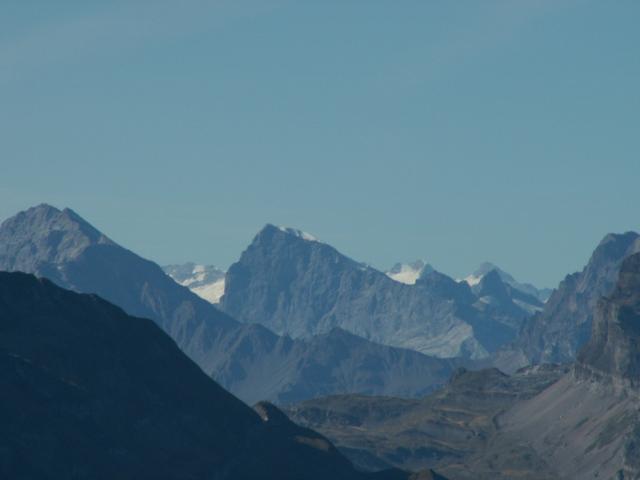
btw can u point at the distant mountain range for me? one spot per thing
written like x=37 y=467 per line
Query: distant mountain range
x=89 y=392
x=303 y=289
x=206 y=281
x=295 y=285
x=347 y=350
x=249 y=360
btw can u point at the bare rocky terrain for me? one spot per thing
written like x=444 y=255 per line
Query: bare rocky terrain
x=575 y=422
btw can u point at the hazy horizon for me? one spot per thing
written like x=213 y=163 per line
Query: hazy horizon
x=457 y=133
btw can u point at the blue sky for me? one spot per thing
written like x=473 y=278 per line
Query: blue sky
x=456 y=132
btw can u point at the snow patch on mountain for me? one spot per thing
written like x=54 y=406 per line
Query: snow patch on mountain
x=206 y=281
x=472 y=279
x=407 y=272
x=211 y=292
x=298 y=233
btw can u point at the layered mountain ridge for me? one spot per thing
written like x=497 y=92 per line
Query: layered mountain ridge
x=249 y=360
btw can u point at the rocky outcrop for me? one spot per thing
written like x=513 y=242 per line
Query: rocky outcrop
x=612 y=355
x=587 y=423
x=558 y=332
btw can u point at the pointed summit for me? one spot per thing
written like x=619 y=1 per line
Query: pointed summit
x=269 y=230
x=303 y=288
x=44 y=235
x=491 y=284
x=63 y=247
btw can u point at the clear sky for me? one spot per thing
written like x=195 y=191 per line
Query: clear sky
x=456 y=132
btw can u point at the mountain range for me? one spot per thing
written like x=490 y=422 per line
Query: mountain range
x=249 y=360
x=371 y=360
x=298 y=286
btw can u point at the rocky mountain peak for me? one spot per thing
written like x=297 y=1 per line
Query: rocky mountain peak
x=44 y=235
x=491 y=284
x=269 y=230
x=612 y=354
x=445 y=286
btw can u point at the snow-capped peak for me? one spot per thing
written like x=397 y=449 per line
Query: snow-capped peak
x=476 y=277
x=298 y=233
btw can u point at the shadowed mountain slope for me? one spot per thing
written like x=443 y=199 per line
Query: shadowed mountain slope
x=89 y=392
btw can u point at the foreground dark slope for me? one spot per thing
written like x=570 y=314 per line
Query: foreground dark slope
x=297 y=286
x=249 y=360
x=90 y=392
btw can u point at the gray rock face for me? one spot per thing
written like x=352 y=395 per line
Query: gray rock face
x=564 y=326
x=612 y=355
x=249 y=360
x=89 y=392
x=502 y=302
x=301 y=287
